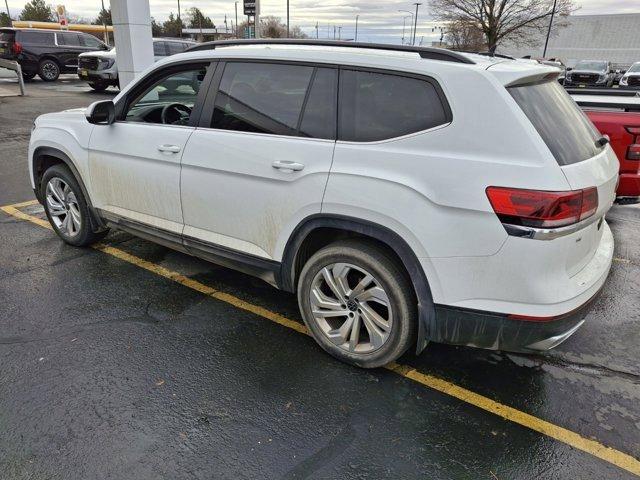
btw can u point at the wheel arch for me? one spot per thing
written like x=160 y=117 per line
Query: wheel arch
x=308 y=237
x=45 y=157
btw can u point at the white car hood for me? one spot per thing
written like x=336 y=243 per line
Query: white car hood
x=100 y=54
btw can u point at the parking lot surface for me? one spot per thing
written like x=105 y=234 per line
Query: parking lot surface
x=130 y=360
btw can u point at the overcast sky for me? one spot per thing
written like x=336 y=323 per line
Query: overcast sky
x=379 y=19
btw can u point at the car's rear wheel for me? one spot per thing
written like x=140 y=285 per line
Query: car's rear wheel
x=66 y=207
x=98 y=86
x=49 y=70
x=358 y=303
x=28 y=76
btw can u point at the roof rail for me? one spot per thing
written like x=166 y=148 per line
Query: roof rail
x=497 y=55
x=429 y=53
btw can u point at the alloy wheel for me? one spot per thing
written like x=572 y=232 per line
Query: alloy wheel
x=63 y=207
x=351 y=308
x=49 y=70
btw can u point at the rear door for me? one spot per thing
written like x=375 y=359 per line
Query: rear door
x=258 y=164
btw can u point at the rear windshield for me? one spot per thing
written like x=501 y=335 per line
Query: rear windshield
x=565 y=129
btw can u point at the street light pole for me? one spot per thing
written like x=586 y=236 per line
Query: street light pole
x=6 y=4
x=546 y=42
x=179 y=21
x=356 y=39
x=104 y=24
x=410 y=25
x=415 y=23
x=287 y=18
x=236 y=30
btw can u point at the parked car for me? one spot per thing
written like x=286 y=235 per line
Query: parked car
x=361 y=199
x=590 y=73
x=46 y=53
x=101 y=71
x=619 y=118
x=631 y=78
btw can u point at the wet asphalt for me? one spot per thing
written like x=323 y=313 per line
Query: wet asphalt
x=108 y=371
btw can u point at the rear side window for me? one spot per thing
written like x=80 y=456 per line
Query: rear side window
x=565 y=129
x=319 y=117
x=40 y=38
x=378 y=106
x=261 y=97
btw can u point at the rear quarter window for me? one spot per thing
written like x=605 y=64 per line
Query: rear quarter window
x=37 y=38
x=7 y=36
x=563 y=126
x=378 y=106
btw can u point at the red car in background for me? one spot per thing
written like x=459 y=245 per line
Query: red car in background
x=618 y=117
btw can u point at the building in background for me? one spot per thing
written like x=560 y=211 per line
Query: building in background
x=590 y=37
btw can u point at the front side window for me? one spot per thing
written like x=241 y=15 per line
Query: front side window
x=91 y=41
x=176 y=47
x=160 y=49
x=379 y=106
x=170 y=99
x=261 y=97
x=70 y=39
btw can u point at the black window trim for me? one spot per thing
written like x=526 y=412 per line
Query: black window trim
x=383 y=71
x=207 y=111
x=122 y=105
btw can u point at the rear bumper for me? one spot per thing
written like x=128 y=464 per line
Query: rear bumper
x=497 y=331
x=629 y=185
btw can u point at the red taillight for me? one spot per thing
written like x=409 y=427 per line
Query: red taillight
x=633 y=152
x=16 y=48
x=542 y=209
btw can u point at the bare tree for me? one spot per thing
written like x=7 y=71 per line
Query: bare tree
x=519 y=21
x=465 y=36
x=272 y=27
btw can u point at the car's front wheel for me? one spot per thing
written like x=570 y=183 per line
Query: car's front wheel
x=358 y=303
x=66 y=207
x=49 y=70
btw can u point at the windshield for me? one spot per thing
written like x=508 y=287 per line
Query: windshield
x=634 y=68
x=588 y=65
x=565 y=129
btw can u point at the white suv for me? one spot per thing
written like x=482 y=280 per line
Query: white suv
x=406 y=194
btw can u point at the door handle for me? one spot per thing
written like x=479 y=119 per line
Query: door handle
x=287 y=166
x=169 y=148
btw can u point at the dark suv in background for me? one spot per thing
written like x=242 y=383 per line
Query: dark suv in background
x=46 y=53
x=590 y=73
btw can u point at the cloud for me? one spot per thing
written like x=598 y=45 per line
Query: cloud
x=379 y=20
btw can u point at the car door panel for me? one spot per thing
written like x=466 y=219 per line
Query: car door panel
x=233 y=196
x=132 y=178
x=249 y=181
x=134 y=163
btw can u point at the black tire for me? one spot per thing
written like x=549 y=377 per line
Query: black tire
x=98 y=86
x=84 y=236
x=387 y=274
x=49 y=70
x=28 y=76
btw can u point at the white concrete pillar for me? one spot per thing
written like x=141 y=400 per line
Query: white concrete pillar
x=132 y=35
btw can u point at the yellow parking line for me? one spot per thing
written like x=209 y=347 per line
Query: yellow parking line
x=573 y=439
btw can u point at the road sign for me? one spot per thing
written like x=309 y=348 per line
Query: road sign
x=250 y=7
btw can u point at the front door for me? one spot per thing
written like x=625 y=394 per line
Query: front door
x=259 y=164
x=134 y=163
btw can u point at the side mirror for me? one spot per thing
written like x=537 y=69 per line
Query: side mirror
x=101 y=113
x=569 y=69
